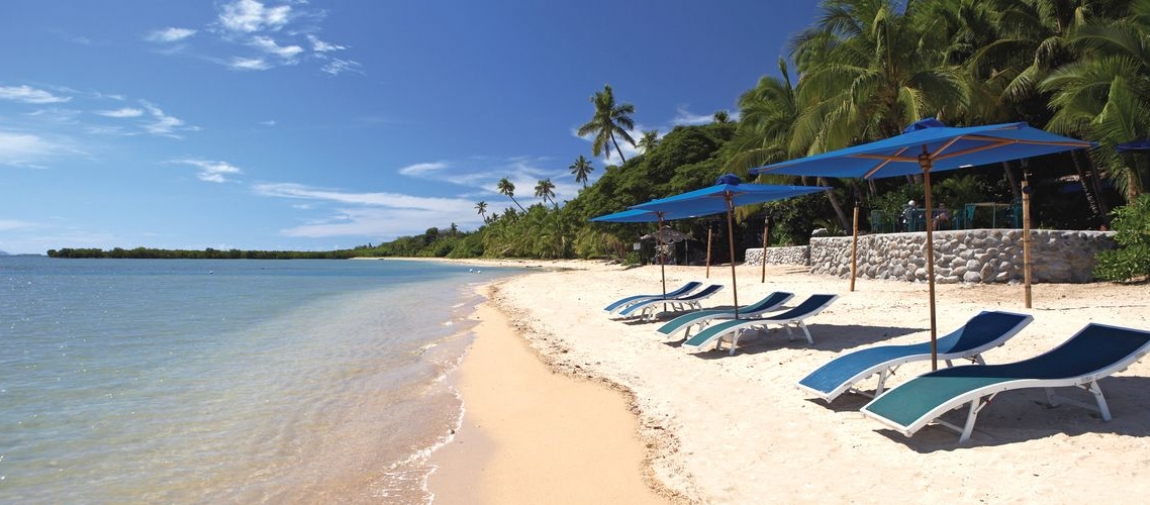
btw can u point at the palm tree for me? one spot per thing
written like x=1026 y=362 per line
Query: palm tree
x=545 y=190
x=581 y=168
x=870 y=68
x=506 y=187
x=722 y=117
x=649 y=141
x=770 y=113
x=481 y=207
x=609 y=120
x=1104 y=97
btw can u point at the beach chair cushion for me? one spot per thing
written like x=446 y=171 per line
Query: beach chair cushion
x=1095 y=352
x=732 y=329
x=984 y=331
x=769 y=303
x=624 y=302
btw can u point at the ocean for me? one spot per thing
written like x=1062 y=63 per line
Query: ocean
x=232 y=381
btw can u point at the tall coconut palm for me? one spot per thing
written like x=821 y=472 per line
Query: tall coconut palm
x=765 y=134
x=1105 y=98
x=870 y=68
x=506 y=187
x=722 y=117
x=609 y=121
x=581 y=168
x=649 y=141
x=545 y=190
x=481 y=208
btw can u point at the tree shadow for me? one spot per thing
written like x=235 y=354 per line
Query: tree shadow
x=1022 y=415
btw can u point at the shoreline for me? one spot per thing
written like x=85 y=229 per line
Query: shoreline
x=532 y=434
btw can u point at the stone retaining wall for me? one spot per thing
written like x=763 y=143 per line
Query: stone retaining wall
x=971 y=256
x=794 y=255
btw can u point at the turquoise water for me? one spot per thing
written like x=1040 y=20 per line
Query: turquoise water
x=199 y=381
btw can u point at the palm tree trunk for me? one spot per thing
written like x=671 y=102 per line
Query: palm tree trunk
x=620 y=151
x=1087 y=189
x=1015 y=189
x=517 y=204
x=822 y=181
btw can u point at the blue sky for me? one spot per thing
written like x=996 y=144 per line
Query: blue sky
x=315 y=125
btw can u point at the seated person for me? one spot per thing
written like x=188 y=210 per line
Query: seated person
x=941 y=217
x=907 y=215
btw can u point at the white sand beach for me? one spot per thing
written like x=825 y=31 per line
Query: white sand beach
x=713 y=428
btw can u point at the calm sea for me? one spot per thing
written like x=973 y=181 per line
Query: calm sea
x=200 y=381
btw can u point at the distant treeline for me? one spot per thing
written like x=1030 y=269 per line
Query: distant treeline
x=209 y=253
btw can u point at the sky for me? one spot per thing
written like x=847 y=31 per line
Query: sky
x=320 y=125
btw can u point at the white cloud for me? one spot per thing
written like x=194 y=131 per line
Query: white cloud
x=337 y=66
x=320 y=46
x=29 y=94
x=170 y=34
x=163 y=124
x=270 y=122
x=212 y=171
x=268 y=45
x=687 y=118
x=25 y=150
x=249 y=64
x=250 y=16
x=14 y=224
x=377 y=215
x=125 y=112
x=420 y=169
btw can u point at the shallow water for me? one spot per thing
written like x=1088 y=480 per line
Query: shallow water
x=197 y=381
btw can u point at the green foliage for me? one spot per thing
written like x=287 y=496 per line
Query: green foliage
x=1131 y=261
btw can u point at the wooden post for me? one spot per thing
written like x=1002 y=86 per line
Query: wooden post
x=1026 y=241
x=709 y=233
x=925 y=162
x=855 y=247
x=766 y=240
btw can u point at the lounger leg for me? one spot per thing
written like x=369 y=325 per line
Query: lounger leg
x=735 y=342
x=807 y=332
x=881 y=382
x=1102 y=407
x=978 y=359
x=1051 y=398
x=790 y=336
x=971 y=416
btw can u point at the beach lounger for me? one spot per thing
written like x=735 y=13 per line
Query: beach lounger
x=982 y=332
x=699 y=318
x=1095 y=352
x=624 y=302
x=647 y=308
x=732 y=330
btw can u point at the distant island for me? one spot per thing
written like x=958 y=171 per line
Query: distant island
x=209 y=253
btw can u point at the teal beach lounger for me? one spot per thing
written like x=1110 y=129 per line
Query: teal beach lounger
x=984 y=331
x=732 y=330
x=1095 y=352
x=699 y=318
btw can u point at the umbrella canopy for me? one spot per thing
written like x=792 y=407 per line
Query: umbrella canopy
x=1134 y=145
x=727 y=193
x=930 y=146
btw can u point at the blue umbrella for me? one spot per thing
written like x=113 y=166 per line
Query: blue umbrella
x=644 y=216
x=930 y=146
x=1133 y=145
x=727 y=193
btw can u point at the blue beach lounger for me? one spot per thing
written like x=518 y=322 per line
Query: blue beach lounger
x=732 y=330
x=646 y=308
x=985 y=331
x=699 y=318
x=624 y=302
x=1095 y=352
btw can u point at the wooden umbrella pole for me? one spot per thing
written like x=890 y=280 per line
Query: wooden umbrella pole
x=766 y=237
x=855 y=247
x=731 y=244
x=924 y=162
x=709 y=233
x=662 y=269
x=1026 y=265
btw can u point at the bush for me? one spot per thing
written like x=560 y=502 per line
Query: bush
x=1131 y=261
